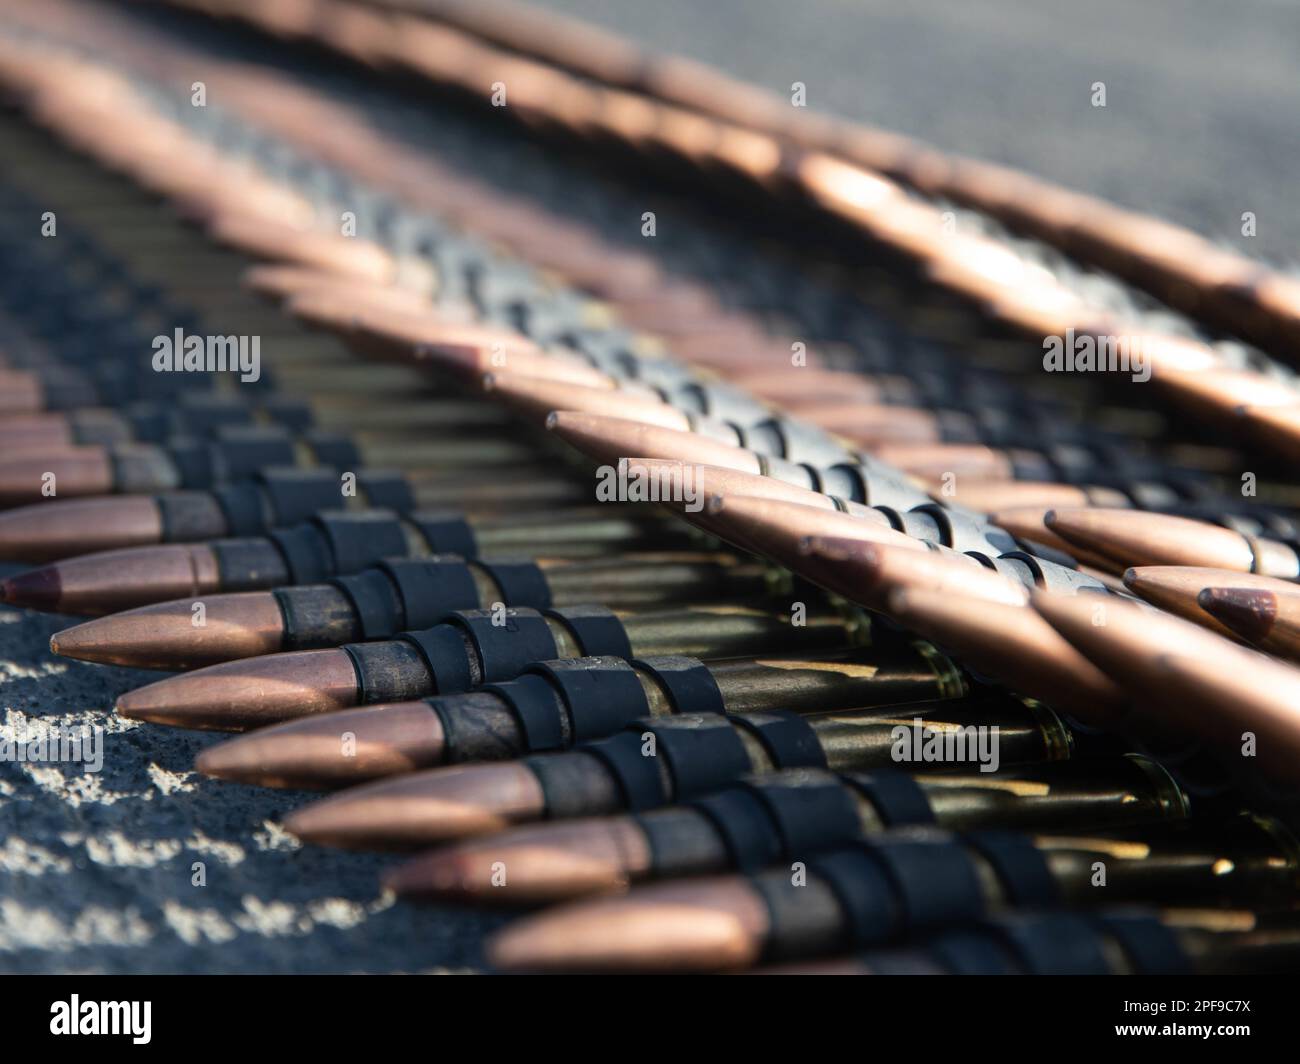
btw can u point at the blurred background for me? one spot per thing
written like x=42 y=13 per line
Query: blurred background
x=1202 y=115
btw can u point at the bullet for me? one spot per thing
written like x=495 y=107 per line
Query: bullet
x=608 y=439
x=1137 y=538
x=1217 y=394
x=534 y=398
x=144 y=421
x=279 y=242
x=1275 y=426
x=69 y=389
x=875 y=426
x=1252 y=521
x=47 y=388
x=898 y=884
x=1015 y=646
x=466 y=352
x=21 y=392
x=700 y=410
x=397 y=596
x=472 y=647
x=784 y=531
x=701 y=752
x=745 y=508
x=236 y=453
x=271 y=499
x=515 y=718
x=1266 y=618
x=687 y=488
x=1176 y=589
x=866 y=572
x=1255 y=727
x=278 y=281
x=780 y=818
x=204 y=413
x=806 y=384
x=333 y=543
x=935 y=461
x=1187 y=678
x=990 y=496
x=321 y=298
x=777 y=529
x=1174 y=495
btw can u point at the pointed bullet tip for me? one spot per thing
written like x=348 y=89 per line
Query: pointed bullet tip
x=1249 y=612
x=403 y=880
x=512 y=949
x=126 y=707
x=143 y=703
x=37 y=589
x=80 y=641
x=210 y=762
x=298 y=823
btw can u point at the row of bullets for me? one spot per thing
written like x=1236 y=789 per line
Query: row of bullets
x=918 y=665
x=687 y=106
x=675 y=116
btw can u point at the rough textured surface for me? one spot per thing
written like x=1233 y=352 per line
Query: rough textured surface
x=1202 y=98
x=96 y=869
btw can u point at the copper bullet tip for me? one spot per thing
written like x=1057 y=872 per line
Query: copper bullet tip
x=1247 y=611
x=77 y=471
x=238 y=695
x=106 y=581
x=775 y=527
x=537 y=398
x=533 y=864
x=1178 y=588
x=608 y=439
x=424 y=808
x=333 y=749
x=54 y=529
x=701 y=925
x=1139 y=537
x=164 y=635
x=1225 y=689
x=36 y=589
x=1012 y=644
